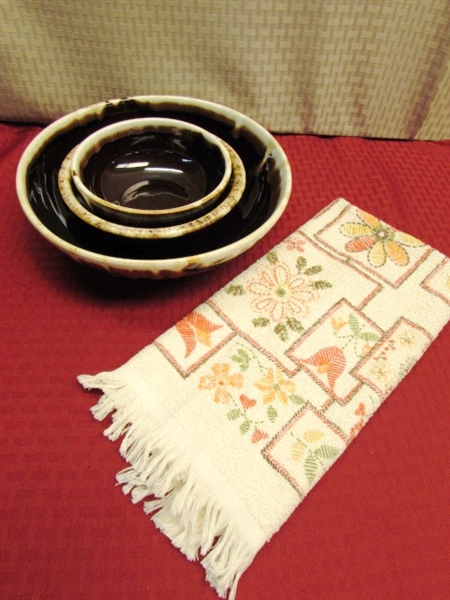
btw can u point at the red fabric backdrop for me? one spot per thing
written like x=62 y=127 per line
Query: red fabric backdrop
x=375 y=528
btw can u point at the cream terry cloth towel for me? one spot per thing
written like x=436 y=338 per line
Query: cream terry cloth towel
x=230 y=418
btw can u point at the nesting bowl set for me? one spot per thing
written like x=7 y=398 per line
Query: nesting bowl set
x=154 y=186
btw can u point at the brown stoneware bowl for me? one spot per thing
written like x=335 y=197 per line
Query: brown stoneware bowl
x=79 y=207
x=151 y=172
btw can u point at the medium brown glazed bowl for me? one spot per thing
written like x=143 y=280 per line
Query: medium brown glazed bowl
x=151 y=172
x=266 y=194
x=77 y=205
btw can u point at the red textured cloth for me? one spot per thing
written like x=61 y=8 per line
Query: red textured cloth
x=376 y=527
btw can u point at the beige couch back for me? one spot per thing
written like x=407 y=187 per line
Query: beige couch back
x=377 y=68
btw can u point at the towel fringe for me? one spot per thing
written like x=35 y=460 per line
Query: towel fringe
x=183 y=504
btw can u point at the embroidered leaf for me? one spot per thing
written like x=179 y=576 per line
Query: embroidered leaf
x=234 y=414
x=321 y=285
x=245 y=427
x=354 y=325
x=272 y=413
x=272 y=257
x=368 y=336
x=297 y=451
x=311 y=465
x=258 y=435
x=242 y=358
x=326 y=452
x=282 y=331
x=294 y=324
x=313 y=270
x=296 y=399
x=260 y=322
x=312 y=436
x=301 y=263
x=330 y=360
x=246 y=401
x=235 y=290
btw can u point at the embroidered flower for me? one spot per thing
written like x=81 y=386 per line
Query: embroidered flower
x=379 y=240
x=382 y=373
x=195 y=328
x=295 y=243
x=408 y=339
x=275 y=387
x=220 y=380
x=280 y=294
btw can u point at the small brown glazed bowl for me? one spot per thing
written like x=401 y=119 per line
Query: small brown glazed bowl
x=151 y=172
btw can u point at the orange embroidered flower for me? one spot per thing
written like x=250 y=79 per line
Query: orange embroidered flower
x=220 y=380
x=280 y=294
x=195 y=328
x=379 y=240
x=275 y=386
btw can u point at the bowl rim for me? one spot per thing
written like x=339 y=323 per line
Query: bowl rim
x=232 y=198
x=148 y=266
x=90 y=145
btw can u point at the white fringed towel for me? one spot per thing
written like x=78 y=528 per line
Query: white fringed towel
x=229 y=418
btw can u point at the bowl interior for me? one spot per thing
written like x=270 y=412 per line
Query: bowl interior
x=151 y=166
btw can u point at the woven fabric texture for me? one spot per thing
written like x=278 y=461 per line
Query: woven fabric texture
x=374 y=69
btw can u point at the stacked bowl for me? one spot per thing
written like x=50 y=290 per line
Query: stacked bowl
x=154 y=186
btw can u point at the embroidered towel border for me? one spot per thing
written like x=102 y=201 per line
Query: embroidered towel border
x=231 y=417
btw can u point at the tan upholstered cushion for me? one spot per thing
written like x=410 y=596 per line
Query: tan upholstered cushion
x=368 y=68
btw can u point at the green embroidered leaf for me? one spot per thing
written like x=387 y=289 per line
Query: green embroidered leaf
x=368 y=336
x=245 y=427
x=296 y=399
x=235 y=290
x=313 y=270
x=282 y=331
x=294 y=324
x=242 y=358
x=311 y=466
x=234 y=414
x=321 y=285
x=272 y=413
x=272 y=257
x=326 y=452
x=260 y=322
x=301 y=263
x=354 y=325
